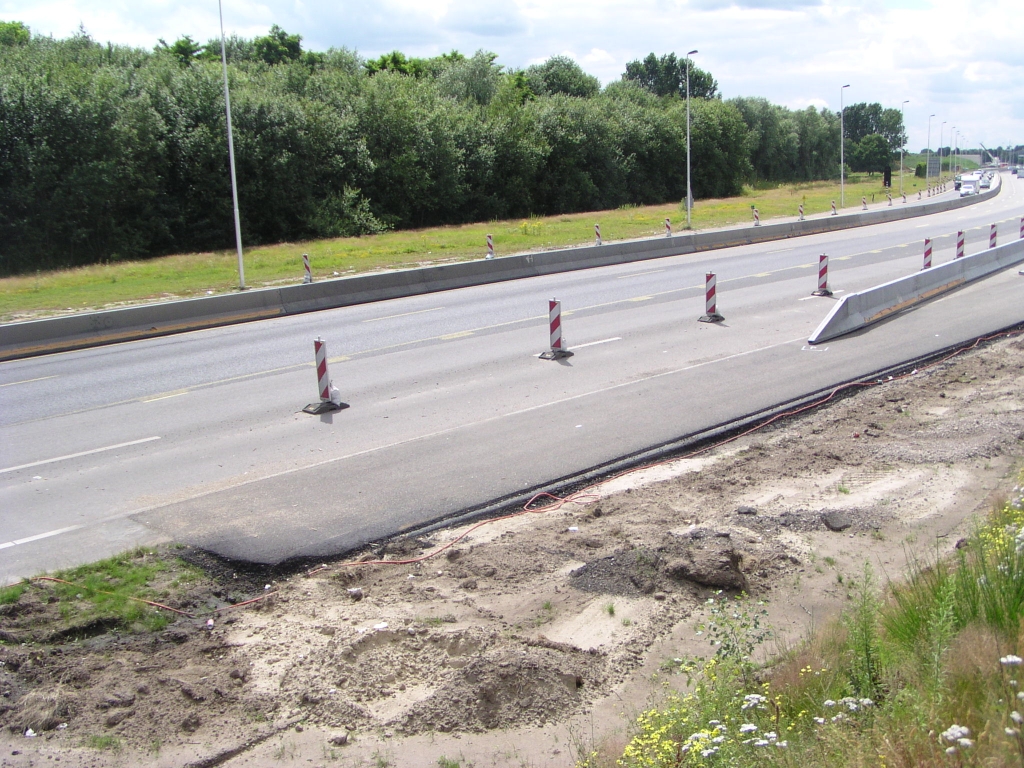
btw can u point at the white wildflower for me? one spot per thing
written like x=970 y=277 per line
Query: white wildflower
x=1011 y=661
x=829 y=703
x=748 y=728
x=1016 y=717
x=954 y=733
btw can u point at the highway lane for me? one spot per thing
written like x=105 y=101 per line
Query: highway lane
x=450 y=406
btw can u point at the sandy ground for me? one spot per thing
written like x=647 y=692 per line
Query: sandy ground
x=537 y=637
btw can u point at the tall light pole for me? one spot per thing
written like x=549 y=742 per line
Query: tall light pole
x=842 y=158
x=928 y=156
x=903 y=140
x=954 y=137
x=231 y=152
x=689 y=194
x=940 y=150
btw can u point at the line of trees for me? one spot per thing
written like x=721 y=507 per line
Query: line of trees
x=110 y=152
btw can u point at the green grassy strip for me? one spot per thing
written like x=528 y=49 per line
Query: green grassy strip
x=198 y=274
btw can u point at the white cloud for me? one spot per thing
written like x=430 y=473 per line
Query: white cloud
x=792 y=52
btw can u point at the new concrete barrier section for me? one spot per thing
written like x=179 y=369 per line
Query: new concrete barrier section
x=857 y=310
x=60 y=334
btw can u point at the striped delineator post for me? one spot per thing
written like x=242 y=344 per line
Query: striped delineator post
x=992 y=236
x=904 y=198
x=863 y=203
x=1022 y=227
x=710 y=300
x=927 y=253
x=959 y=245
x=597 y=234
x=834 y=211
x=801 y=210
x=330 y=398
x=919 y=194
x=305 y=265
x=889 y=195
x=822 y=277
x=558 y=349
x=668 y=228
x=490 y=247
x=757 y=218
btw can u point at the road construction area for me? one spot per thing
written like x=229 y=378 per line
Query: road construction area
x=532 y=638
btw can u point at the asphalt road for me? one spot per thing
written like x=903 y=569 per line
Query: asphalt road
x=200 y=438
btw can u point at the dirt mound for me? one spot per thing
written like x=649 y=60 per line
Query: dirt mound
x=502 y=689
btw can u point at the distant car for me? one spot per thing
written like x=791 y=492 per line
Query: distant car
x=986 y=183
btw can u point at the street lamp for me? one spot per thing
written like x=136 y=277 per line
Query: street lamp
x=928 y=156
x=903 y=140
x=940 y=150
x=231 y=153
x=842 y=160
x=953 y=133
x=689 y=194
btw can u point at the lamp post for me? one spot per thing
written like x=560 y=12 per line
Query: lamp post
x=842 y=158
x=903 y=140
x=940 y=150
x=928 y=155
x=689 y=193
x=231 y=152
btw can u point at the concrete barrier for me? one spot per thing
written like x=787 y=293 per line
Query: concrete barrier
x=87 y=329
x=857 y=310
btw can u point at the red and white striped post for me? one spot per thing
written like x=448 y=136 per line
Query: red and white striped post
x=558 y=349
x=927 y=253
x=490 y=247
x=889 y=195
x=1022 y=227
x=597 y=234
x=863 y=203
x=834 y=211
x=330 y=398
x=801 y=210
x=710 y=300
x=992 y=236
x=904 y=198
x=959 y=245
x=919 y=194
x=757 y=217
x=668 y=228
x=929 y=191
x=305 y=265
x=822 y=277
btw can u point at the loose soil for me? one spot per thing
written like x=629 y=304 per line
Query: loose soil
x=533 y=638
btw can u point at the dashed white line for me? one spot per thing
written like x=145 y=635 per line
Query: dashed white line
x=80 y=453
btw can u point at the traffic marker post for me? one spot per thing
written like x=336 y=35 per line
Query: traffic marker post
x=330 y=398
x=597 y=234
x=863 y=203
x=959 y=245
x=927 y=253
x=309 y=274
x=558 y=350
x=834 y=211
x=668 y=228
x=992 y=236
x=822 y=277
x=710 y=300
x=904 y=198
x=889 y=195
x=1022 y=227
x=490 y=247
x=757 y=217
x=801 y=210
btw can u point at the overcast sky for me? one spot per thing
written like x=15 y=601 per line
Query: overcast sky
x=961 y=61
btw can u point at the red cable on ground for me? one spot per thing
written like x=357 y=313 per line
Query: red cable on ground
x=579 y=496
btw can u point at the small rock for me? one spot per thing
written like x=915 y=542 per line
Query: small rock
x=836 y=520
x=191 y=723
x=660 y=596
x=340 y=740
x=356 y=593
x=960 y=544
x=116 y=718
x=488 y=571
x=469 y=584
x=746 y=510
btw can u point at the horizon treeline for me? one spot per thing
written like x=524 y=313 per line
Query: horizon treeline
x=111 y=152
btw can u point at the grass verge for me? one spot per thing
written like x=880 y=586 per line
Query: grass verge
x=924 y=673
x=199 y=274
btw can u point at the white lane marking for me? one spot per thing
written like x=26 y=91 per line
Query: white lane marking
x=595 y=343
x=27 y=381
x=920 y=226
x=81 y=453
x=637 y=274
x=164 y=396
x=783 y=250
x=39 y=536
x=403 y=314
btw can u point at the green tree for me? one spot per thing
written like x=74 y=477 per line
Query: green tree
x=560 y=74
x=666 y=76
x=14 y=33
x=278 y=46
